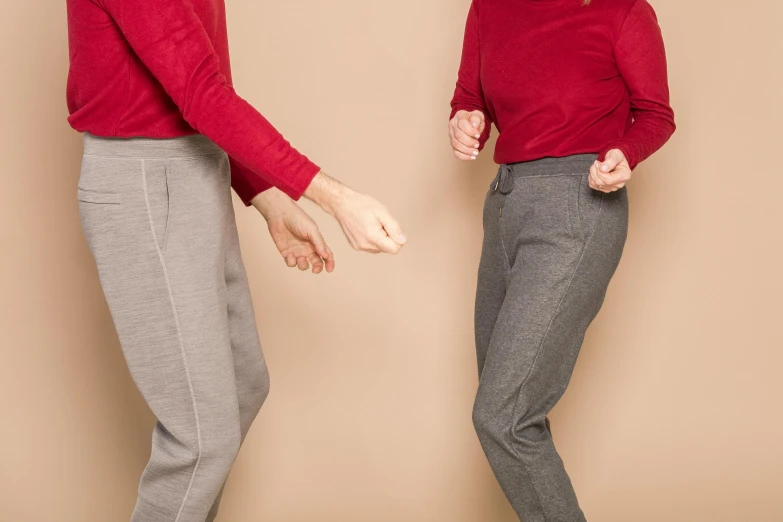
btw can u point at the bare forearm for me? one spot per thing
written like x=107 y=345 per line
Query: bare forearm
x=327 y=193
x=272 y=203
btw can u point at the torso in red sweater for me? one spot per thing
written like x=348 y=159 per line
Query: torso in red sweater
x=558 y=78
x=160 y=69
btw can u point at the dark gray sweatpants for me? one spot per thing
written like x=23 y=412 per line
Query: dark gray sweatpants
x=551 y=245
x=157 y=215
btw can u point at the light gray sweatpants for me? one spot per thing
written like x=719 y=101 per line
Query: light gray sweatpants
x=158 y=218
x=551 y=245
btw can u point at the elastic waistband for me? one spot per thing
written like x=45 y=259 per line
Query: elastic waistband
x=193 y=145
x=576 y=164
x=568 y=166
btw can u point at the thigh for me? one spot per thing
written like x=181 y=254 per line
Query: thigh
x=249 y=365
x=493 y=273
x=157 y=232
x=564 y=243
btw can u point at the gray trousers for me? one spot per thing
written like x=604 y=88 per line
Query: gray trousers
x=551 y=245
x=158 y=218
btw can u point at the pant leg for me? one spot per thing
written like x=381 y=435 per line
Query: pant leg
x=157 y=229
x=252 y=377
x=493 y=275
x=563 y=242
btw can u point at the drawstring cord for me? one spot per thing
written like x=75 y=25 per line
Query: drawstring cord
x=504 y=182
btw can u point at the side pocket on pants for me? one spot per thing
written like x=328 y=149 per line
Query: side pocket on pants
x=588 y=206
x=156 y=188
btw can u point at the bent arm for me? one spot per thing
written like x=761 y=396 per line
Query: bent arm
x=641 y=60
x=468 y=94
x=170 y=39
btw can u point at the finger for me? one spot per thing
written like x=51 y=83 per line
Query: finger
x=595 y=181
x=610 y=188
x=619 y=176
x=290 y=260
x=368 y=247
x=464 y=149
x=387 y=245
x=613 y=158
x=330 y=264
x=317 y=262
x=462 y=137
x=599 y=176
x=317 y=239
x=466 y=157
x=392 y=227
x=322 y=249
x=477 y=120
x=302 y=263
x=466 y=126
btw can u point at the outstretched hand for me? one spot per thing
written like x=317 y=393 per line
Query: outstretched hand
x=367 y=224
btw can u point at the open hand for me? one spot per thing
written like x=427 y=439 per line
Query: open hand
x=295 y=234
x=299 y=240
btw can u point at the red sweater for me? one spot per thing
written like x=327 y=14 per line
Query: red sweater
x=558 y=78
x=160 y=69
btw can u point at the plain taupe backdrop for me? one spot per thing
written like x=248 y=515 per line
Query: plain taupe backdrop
x=673 y=413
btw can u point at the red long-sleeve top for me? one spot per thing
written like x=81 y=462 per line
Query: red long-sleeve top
x=559 y=78
x=160 y=69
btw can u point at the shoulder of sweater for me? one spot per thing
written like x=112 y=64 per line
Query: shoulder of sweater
x=615 y=5
x=619 y=11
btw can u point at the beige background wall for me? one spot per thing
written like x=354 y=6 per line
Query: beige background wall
x=674 y=410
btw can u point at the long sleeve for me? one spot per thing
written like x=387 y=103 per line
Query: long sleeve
x=641 y=60
x=468 y=95
x=170 y=39
x=245 y=183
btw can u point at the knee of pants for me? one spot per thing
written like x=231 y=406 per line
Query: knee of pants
x=220 y=443
x=488 y=421
x=492 y=420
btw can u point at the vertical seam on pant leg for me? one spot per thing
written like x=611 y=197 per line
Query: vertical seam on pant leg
x=179 y=338
x=538 y=352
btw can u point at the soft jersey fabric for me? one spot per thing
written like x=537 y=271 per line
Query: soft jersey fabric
x=546 y=262
x=157 y=216
x=160 y=69
x=558 y=78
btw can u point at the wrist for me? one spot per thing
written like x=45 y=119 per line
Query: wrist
x=327 y=193
x=272 y=204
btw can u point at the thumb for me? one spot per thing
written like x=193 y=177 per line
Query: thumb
x=613 y=158
x=476 y=119
x=392 y=227
x=319 y=243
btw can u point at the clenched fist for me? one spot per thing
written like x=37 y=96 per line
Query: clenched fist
x=465 y=129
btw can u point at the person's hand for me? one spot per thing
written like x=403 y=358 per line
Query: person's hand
x=612 y=174
x=465 y=129
x=366 y=223
x=295 y=234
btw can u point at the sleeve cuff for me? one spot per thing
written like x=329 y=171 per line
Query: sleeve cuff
x=487 y=121
x=247 y=184
x=623 y=147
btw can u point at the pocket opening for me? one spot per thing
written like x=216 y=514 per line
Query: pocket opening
x=100 y=198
